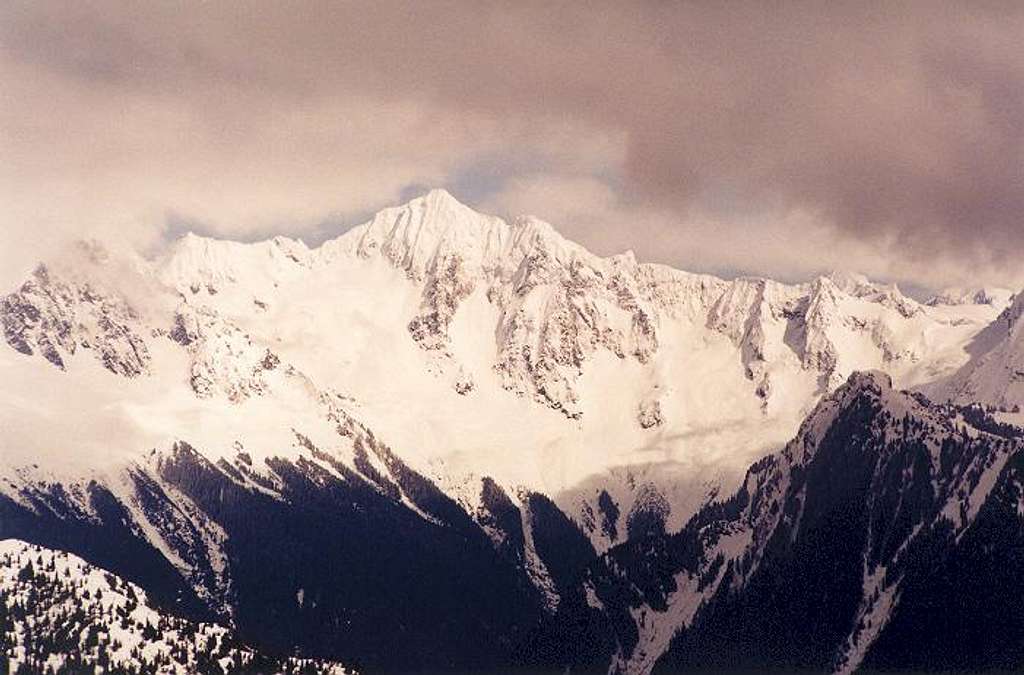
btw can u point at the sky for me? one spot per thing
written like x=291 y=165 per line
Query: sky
x=783 y=139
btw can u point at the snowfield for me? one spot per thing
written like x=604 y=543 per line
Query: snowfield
x=463 y=371
x=471 y=345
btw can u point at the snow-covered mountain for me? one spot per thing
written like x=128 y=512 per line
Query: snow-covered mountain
x=434 y=391
x=60 y=613
x=994 y=375
x=849 y=517
x=489 y=321
x=983 y=295
x=885 y=535
x=462 y=322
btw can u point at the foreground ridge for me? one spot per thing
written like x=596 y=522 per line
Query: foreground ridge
x=60 y=614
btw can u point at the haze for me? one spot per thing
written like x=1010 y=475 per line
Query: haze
x=782 y=139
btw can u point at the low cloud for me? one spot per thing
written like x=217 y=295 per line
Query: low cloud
x=740 y=137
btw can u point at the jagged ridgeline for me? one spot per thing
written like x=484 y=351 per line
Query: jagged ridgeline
x=886 y=536
x=887 y=516
x=833 y=553
x=447 y=442
x=636 y=378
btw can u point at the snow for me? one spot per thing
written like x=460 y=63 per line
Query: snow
x=745 y=536
x=535 y=567
x=995 y=296
x=995 y=373
x=117 y=609
x=873 y=615
x=87 y=408
x=656 y=629
x=732 y=366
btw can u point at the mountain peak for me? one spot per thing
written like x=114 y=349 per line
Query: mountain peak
x=979 y=295
x=874 y=380
x=440 y=196
x=849 y=282
x=535 y=228
x=437 y=201
x=859 y=285
x=413 y=235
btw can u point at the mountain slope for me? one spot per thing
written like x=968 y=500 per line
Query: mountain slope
x=631 y=374
x=58 y=611
x=460 y=412
x=830 y=550
x=995 y=374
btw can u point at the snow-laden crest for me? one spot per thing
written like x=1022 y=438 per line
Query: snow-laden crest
x=559 y=305
x=456 y=373
x=985 y=295
x=910 y=471
x=995 y=374
x=435 y=311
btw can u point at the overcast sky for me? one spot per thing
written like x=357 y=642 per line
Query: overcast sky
x=765 y=138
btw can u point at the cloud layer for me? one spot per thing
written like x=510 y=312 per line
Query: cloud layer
x=779 y=138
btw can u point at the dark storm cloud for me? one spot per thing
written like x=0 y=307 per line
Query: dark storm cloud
x=896 y=126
